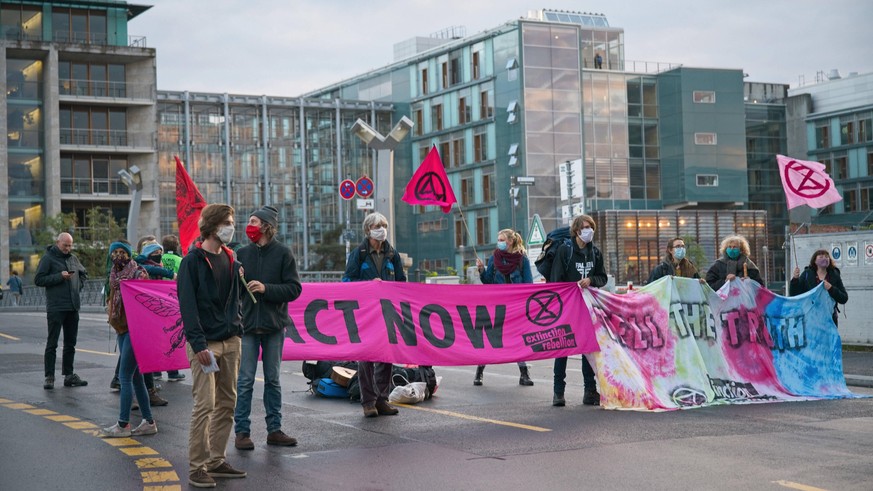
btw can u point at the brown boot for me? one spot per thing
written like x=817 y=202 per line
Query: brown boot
x=155 y=399
x=243 y=442
x=385 y=409
x=281 y=439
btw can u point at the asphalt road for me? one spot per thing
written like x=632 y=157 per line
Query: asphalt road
x=498 y=436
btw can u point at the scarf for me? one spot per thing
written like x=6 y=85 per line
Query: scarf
x=130 y=271
x=507 y=262
x=684 y=268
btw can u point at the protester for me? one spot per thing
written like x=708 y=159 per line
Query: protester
x=124 y=268
x=375 y=260
x=675 y=262
x=581 y=262
x=171 y=259
x=508 y=264
x=209 y=292
x=271 y=273
x=734 y=262
x=63 y=277
x=14 y=284
x=150 y=259
x=821 y=269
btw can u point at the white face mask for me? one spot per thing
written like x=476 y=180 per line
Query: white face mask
x=225 y=234
x=586 y=234
x=379 y=234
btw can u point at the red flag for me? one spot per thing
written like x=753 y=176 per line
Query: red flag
x=189 y=202
x=430 y=185
x=806 y=183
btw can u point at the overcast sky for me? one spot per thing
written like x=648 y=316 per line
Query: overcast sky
x=289 y=47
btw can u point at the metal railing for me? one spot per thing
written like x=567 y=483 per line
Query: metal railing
x=98 y=88
x=113 y=138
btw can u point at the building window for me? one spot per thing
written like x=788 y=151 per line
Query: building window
x=97 y=174
x=455 y=69
x=870 y=164
x=488 y=194
x=468 y=191
x=703 y=97
x=486 y=109
x=21 y=22
x=483 y=227
x=446 y=154
x=424 y=81
x=458 y=152
x=79 y=26
x=705 y=139
x=707 y=180
x=437 y=117
x=850 y=200
x=463 y=111
x=512 y=112
x=444 y=69
x=842 y=167
x=418 y=116
x=460 y=234
x=847 y=131
x=476 y=65
x=822 y=135
x=480 y=153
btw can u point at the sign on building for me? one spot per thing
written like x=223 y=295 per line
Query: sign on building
x=837 y=253
x=868 y=253
x=852 y=253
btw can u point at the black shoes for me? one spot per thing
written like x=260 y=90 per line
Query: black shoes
x=591 y=397
x=480 y=371
x=74 y=380
x=524 y=379
x=558 y=400
x=49 y=383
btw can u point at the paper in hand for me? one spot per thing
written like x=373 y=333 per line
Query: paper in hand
x=212 y=367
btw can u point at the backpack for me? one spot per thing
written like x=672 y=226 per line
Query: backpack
x=330 y=389
x=554 y=240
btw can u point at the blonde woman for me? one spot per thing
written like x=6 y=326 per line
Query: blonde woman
x=733 y=262
x=508 y=264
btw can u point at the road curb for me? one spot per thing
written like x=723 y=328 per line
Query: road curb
x=859 y=381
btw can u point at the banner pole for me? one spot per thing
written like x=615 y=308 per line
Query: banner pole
x=470 y=235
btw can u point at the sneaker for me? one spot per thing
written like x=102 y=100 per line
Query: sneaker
x=145 y=428
x=558 y=400
x=226 y=470
x=243 y=442
x=49 y=383
x=158 y=376
x=370 y=412
x=116 y=431
x=156 y=400
x=115 y=385
x=74 y=380
x=200 y=479
x=281 y=439
x=591 y=398
x=385 y=409
x=175 y=377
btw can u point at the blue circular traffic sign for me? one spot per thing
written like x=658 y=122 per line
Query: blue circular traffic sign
x=347 y=189
x=364 y=187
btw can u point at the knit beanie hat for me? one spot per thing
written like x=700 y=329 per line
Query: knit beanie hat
x=269 y=215
x=120 y=245
x=150 y=249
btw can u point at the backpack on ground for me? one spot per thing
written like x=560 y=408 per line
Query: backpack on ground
x=330 y=389
x=554 y=240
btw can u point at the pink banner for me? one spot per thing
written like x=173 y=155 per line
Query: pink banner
x=391 y=322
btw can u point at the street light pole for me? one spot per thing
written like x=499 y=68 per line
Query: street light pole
x=132 y=178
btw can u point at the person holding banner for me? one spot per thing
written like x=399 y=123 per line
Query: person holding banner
x=124 y=268
x=734 y=262
x=508 y=264
x=271 y=271
x=375 y=260
x=581 y=262
x=675 y=263
x=821 y=269
x=209 y=303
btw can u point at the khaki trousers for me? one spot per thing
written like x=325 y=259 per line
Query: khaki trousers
x=214 y=402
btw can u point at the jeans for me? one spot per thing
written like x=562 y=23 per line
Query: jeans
x=252 y=345
x=561 y=374
x=68 y=321
x=375 y=379
x=131 y=381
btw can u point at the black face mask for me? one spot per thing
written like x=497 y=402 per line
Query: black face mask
x=156 y=258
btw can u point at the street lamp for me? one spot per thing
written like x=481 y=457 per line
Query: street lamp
x=384 y=178
x=132 y=178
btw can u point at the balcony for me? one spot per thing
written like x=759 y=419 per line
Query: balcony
x=103 y=89
x=87 y=187
x=111 y=140
x=95 y=38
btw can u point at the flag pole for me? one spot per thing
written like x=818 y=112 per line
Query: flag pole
x=469 y=234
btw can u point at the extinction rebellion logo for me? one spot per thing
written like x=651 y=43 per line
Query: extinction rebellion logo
x=544 y=308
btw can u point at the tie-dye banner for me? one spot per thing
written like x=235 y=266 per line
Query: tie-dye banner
x=676 y=344
x=390 y=322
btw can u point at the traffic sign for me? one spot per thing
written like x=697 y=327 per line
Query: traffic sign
x=347 y=189
x=537 y=235
x=364 y=187
x=366 y=204
x=868 y=253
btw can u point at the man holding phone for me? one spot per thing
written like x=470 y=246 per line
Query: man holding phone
x=63 y=277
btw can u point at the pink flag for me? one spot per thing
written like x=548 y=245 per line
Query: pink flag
x=430 y=185
x=806 y=183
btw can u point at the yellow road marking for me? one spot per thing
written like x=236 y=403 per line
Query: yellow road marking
x=134 y=451
x=121 y=442
x=159 y=476
x=19 y=405
x=796 y=485
x=40 y=412
x=104 y=353
x=475 y=418
x=60 y=418
x=80 y=425
x=4 y=401
x=9 y=337
x=152 y=463
x=175 y=487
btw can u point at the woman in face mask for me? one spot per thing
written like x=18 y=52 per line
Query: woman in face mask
x=821 y=269
x=733 y=263
x=675 y=262
x=508 y=264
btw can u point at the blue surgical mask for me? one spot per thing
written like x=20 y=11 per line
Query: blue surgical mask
x=679 y=253
x=733 y=252
x=501 y=244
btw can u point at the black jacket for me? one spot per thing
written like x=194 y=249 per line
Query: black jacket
x=361 y=267
x=724 y=266
x=808 y=280
x=60 y=295
x=666 y=268
x=273 y=265
x=574 y=263
x=205 y=316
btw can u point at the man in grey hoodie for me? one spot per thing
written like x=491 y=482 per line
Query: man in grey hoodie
x=63 y=277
